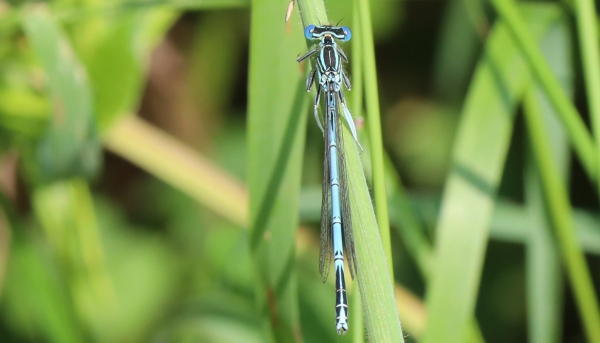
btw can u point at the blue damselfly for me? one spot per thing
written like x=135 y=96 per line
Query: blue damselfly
x=336 y=222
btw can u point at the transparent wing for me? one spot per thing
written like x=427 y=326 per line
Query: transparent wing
x=326 y=249
x=345 y=199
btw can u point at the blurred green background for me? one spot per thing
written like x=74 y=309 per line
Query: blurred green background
x=123 y=172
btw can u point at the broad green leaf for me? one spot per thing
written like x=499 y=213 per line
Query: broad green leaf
x=277 y=106
x=469 y=196
x=70 y=145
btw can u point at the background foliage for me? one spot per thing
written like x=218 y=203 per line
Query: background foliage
x=160 y=173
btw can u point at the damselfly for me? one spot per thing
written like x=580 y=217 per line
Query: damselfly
x=336 y=220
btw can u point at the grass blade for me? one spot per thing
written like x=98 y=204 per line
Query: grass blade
x=469 y=196
x=559 y=209
x=178 y=165
x=380 y=312
x=543 y=269
x=276 y=133
x=580 y=138
x=376 y=288
x=544 y=286
x=587 y=30
x=356 y=97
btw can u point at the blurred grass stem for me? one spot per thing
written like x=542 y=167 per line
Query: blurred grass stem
x=179 y=166
x=587 y=29
x=557 y=200
x=578 y=134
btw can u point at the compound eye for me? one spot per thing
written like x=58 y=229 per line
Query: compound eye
x=347 y=33
x=308 y=31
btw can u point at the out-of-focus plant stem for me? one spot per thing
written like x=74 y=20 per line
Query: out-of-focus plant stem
x=557 y=200
x=578 y=134
x=587 y=28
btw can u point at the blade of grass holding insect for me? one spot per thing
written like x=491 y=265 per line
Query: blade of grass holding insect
x=358 y=336
x=376 y=288
x=579 y=136
x=587 y=30
x=559 y=210
x=379 y=310
x=469 y=196
x=277 y=106
x=374 y=127
x=543 y=269
x=357 y=102
x=70 y=146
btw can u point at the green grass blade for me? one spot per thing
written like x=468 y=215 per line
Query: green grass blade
x=407 y=224
x=376 y=288
x=544 y=279
x=579 y=136
x=276 y=133
x=70 y=146
x=469 y=196
x=457 y=50
x=559 y=209
x=357 y=108
x=374 y=127
x=587 y=30
x=543 y=269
